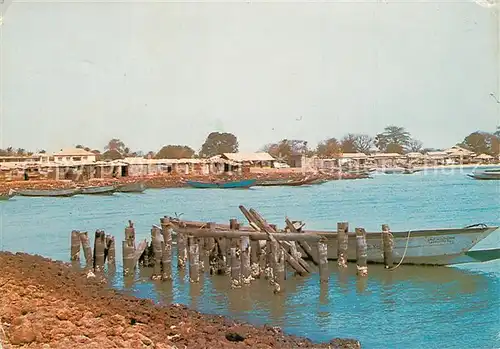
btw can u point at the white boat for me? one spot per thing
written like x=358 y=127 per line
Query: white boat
x=99 y=190
x=486 y=174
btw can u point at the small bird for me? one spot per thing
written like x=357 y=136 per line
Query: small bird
x=494 y=97
x=299 y=118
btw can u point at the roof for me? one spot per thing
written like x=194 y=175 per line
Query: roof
x=457 y=150
x=387 y=155
x=484 y=156
x=239 y=157
x=415 y=155
x=437 y=154
x=353 y=156
x=73 y=152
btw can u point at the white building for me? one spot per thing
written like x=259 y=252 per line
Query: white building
x=74 y=155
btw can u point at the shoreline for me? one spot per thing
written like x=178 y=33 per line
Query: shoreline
x=49 y=304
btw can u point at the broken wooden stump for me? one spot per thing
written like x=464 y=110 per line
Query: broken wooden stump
x=110 y=252
x=302 y=243
x=235 y=264
x=87 y=250
x=342 y=243
x=75 y=246
x=166 y=256
x=323 y=261
x=128 y=258
x=181 y=250
x=245 y=248
x=194 y=260
x=388 y=246
x=130 y=234
x=361 y=252
x=156 y=242
x=255 y=258
x=99 y=250
x=278 y=267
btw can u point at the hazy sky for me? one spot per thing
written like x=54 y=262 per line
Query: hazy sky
x=169 y=73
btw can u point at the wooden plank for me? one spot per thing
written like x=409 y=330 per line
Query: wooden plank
x=302 y=243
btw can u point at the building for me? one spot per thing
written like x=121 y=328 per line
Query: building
x=74 y=155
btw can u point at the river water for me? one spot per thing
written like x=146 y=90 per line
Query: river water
x=411 y=307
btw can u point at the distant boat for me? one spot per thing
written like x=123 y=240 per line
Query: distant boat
x=98 y=190
x=486 y=174
x=137 y=187
x=49 y=193
x=7 y=196
x=223 y=185
x=288 y=182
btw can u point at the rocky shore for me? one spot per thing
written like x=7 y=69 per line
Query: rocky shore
x=49 y=304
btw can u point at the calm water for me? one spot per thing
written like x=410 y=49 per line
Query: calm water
x=412 y=307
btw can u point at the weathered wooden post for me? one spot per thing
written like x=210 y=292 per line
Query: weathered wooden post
x=87 y=250
x=278 y=255
x=128 y=258
x=323 y=260
x=235 y=264
x=194 y=259
x=110 y=250
x=166 y=256
x=246 y=274
x=255 y=256
x=388 y=246
x=130 y=234
x=99 y=250
x=269 y=260
x=157 y=252
x=181 y=250
x=75 y=246
x=361 y=252
x=233 y=225
x=201 y=248
x=342 y=243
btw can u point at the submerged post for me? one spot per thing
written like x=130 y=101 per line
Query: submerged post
x=111 y=250
x=342 y=243
x=87 y=250
x=99 y=250
x=388 y=246
x=361 y=252
x=323 y=260
x=157 y=252
x=166 y=256
x=194 y=259
x=246 y=274
x=75 y=246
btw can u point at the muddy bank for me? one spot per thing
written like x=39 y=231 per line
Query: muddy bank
x=47 y=304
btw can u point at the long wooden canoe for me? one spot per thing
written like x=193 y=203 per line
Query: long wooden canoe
x=49 y=193
x=7 y=196
x=222 y=185
x=98 y=190
x=424 y=247
x=137 y=187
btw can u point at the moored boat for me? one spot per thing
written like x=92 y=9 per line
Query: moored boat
x=486 y=174
x=423 y=247
x=98 y=190
x=136 y=187
x=49 y=193
x=7 y=196
x=243 y=184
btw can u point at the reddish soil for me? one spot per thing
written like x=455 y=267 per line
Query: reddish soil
x=48 y=304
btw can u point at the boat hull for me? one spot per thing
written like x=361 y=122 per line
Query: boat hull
x=105 y=190
x=49 y=193
x=226 y=185
x=425 y=247
x=131 y=188
x=5 y=197
x=485 y=175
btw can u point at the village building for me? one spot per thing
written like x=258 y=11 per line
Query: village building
x=74 y=155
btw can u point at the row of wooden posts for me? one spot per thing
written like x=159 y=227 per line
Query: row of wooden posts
x=244 y=255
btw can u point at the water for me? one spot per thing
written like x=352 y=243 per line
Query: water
x=412 y=307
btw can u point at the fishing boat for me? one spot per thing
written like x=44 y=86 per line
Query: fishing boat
x=137 y=187
x=7 y=196
x=486 y=174
x=288 y=182
x=420 y=247
x=98 y=190
x=49 y=193
x=244 y=184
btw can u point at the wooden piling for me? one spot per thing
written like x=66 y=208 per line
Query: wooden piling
x=201 y=249
x=130 y=234
x=194 y=259
x=87 y=250
x=181 y=250
x=342 y=243
x=156 y=243
x=235 y=264
x=278 y=266
x=323 y=261
x=233 y=226
x=388 y=246
x=75 y=246
x=255 y=258
x=166 y=256
x=110 y=250
x=128 y=258
x=361 y=252
x=99 y=250
x=245 y=248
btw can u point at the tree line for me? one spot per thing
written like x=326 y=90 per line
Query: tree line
x=393 y=139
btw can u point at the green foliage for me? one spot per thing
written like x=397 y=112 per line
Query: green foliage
x=328 y=148
x=175 y=152
x=482 y=142
x=218 y=143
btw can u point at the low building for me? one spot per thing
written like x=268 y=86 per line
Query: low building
x=74 y=155
x=262 y=160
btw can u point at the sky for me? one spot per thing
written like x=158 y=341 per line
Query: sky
x=158 y=73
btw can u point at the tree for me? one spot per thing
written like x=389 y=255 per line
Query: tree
x=362 y=143
x=175 y=152
x=481 y=142
x=328 y=148
x=414 y=145
x=285 y=148
x=347 y=144
x=394 y=135
x=149 y=155
x=395 y=148
x=115 y=144
x=21 y=152
x=218 y=143
x=42 y=151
